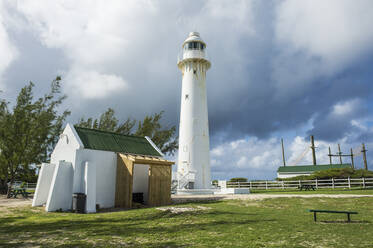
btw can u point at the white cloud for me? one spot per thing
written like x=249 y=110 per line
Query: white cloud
x=91 y=84
x=112 y=38
x=250 y=158
x=8 y=52
x=259 y=159
x=347 y=107
x=337 y=31
x=93 y=35
x=318 y=39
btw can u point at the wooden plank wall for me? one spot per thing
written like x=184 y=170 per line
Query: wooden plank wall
x=124 y=182
x=159 y=185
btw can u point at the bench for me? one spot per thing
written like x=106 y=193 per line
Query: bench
x=306 y=187
x=15 y=192
x=333 y=212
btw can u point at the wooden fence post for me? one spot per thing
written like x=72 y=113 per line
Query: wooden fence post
x=363 y=183
x=282 y=183
x=349 y=183
x=251 y=186
x=266 y=184
x=317 y=185
x=300 y=185
x=333 y=183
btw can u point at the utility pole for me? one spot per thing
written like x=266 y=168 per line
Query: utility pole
x=313 y=150
x=352 y=159
x=364 y=151
x=340 y=154
x=283 y=152
x=330 y=156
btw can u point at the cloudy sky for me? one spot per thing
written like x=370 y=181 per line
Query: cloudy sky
x=279 y=69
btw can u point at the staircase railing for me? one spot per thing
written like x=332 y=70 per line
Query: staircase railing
x=184 y=180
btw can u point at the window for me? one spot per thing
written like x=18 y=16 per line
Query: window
x=194 y=46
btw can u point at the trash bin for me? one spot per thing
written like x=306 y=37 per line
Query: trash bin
x=79 y=200
x=138 y=197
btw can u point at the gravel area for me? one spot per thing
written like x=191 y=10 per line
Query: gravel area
x=15 y=202
x=188 y=198
x=22 y=202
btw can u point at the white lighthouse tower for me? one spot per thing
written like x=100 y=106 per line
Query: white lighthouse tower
x=194 y=148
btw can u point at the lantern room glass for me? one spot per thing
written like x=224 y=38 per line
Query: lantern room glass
x=194 y=46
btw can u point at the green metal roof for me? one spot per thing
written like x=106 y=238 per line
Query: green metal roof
x=311 y=168
x=114 y=142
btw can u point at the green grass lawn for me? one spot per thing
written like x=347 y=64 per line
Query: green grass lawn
x=356 y=191
x=282 y=222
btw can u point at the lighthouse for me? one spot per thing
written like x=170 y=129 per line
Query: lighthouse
x=193 y=171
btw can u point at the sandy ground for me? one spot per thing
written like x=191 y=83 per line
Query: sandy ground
x=12 y=202
x=22 y=202
x=188 y=198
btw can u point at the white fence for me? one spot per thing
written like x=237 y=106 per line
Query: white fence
x=349 y=183
x=27 y=186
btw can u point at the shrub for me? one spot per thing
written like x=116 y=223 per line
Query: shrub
x=238 y=179
x=333 y=173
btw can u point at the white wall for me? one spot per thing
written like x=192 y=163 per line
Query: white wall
x=90 y=187
x=65 y=150
x=141 y=180
x=44 y=184
x=106 y=167
x=61 y=190
x=288 y=175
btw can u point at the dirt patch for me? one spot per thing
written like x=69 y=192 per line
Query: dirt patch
x=15 y=202
x=178 y=210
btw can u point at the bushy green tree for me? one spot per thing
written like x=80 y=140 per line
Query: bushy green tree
x=28 y=131
x=334 y=173
x=238 y=179
x=163 y=137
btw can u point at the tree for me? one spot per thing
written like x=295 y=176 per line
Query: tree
x=163 y=137
x=238 y=179
x=29 y=131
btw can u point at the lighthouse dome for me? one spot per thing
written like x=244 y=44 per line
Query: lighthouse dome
x=194 y=42
x=193 y=49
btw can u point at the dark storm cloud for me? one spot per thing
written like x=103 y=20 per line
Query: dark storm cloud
x=260 y=82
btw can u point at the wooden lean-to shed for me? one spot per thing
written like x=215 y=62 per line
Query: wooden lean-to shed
x=158 y=180
x=140 y=168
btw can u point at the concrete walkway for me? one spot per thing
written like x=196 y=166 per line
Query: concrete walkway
x=189 y=198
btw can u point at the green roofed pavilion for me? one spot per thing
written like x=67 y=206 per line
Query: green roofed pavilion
x=114 y=142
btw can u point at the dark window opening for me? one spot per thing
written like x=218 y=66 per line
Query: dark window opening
x=194 y=46
x=194 y=71
x=186 y=97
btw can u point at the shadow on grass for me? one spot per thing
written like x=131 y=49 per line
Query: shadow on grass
x=345 y=221
x=81 y=244
x=125 y=226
